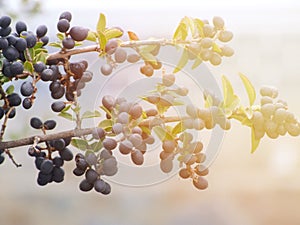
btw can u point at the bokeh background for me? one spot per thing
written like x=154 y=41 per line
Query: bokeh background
x=249 y=189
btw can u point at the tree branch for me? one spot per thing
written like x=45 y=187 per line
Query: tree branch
x=43 y=138
x=125 y=44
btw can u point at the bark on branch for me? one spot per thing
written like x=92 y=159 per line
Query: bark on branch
x=47 y=137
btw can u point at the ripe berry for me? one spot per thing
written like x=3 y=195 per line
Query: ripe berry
x=16 y=68
x=41 y=31
x=14 y=99
x=27 y=103
x=36 y=123
x=68 y=43
x=5 y=21
x=27 y=88
x=46 y=75
x=21 y=26
x=63 y=25
x=66 y=15
x=11 y=53
x=49 y=124
x=58 y=106
x=30 y=40
x=79 y=33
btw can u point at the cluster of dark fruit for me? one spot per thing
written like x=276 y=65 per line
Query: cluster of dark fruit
x=93 y=166
x=49 y=166
x=10 y=102
x=76 y=33
x=14 y=45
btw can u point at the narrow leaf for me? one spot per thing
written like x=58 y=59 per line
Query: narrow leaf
x=101 y=23
x=107 y=123
x=162 y=134
x=66 y=115
x=216 y=48
x=28 y=67
x=197 y=63
x=10 y=89
x=132 y=36
x=91 y=114
x=228 y=92
x=96 y=146
x=254 y=141
x=179 y=128
x=183 y=61
x=112 y=33
x=92 y=36
x=147 y=56
x=102 y=41
x=55 y=44
x=249 y=88
x=199 y=24
x=79 y=143
x=181 y=32
x=60 y=36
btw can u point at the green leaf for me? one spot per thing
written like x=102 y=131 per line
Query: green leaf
x=197 y=63
x=10 y=89
x=101 y=23
x=39 y=45
x=190 y=24
x=249 y=88
x=147 y=48
x=76 y=109
x=79 y=143
x=66 y=108
x=181 y=32
x=254 y=141
x=162 y=134
x=60 y=36
x=147 y=56
x=179 y=128
x=107 y=123
x=183 y=61
x=55 y=44
x=91 y=114
x=28 y=67
x=112 y=33
x=42 y=56
x=96 y=146
x=66 y=115
x=92 y=36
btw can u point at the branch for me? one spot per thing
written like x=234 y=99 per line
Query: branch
x=125 y=44
x=48 y=137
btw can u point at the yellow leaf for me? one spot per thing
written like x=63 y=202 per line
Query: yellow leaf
x=254 y=141
x=183 y=61
x=92 y=36
x=249 y=88
x=101 y=23
x=181 y=32
x=199 y=25
x=102 y=41
x=228 y=92
x=162 y=134
x=190 y=24
x=178 y=129
x=112 y=33
x=197 y=62
x=216 y=48
x=147 y=56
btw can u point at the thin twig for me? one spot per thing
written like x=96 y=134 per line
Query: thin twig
x=12 y=158
x=4 y=123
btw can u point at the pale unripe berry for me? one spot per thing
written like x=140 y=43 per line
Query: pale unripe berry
x=185 y=173
x=200 y=183
x=258 y=119
x=281 y=130
x=266 y=99
x=169 y=145
x=182 y=91
x=206 y=42
x=227 y=51
x=205 y=54
x=166 y=165
x=225 y=36
x=269 y=91
x=292 y=128
x=208 y=31
x=268 y=110
x=198 y=124
x=218 y=22
x=168 y=79
x=280 y=115
x=191 y=110
x=215 y=59
x=188 y=123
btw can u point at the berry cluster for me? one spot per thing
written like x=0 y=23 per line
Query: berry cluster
x=76 y=33
x=273 y=118
x=207 y=49
x=49 y=166
x=94 y=166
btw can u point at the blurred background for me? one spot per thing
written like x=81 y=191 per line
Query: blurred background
x=244 y=188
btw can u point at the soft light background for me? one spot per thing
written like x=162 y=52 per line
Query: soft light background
x=258 y=189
